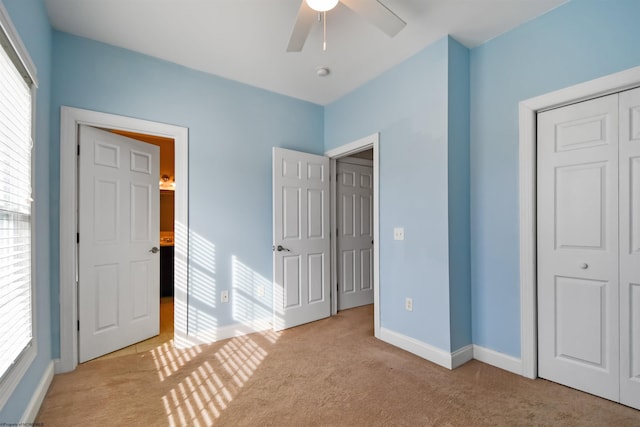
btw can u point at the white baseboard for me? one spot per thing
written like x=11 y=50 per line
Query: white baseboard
x=455 y=359
x=426 y=351
x=58 y=367
x=499 y=360
x=240 y=329
x=461 y=356
x=223 y=333
x=30 y=413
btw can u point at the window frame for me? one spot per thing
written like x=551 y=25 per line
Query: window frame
x=18 y=52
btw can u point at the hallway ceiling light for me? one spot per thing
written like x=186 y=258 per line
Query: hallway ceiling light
x=166 y=183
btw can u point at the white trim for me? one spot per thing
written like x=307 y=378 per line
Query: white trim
x=499 y=360
x=17 y=371
x=428 y=352
x=354 y=146
x=373 y=142
x=70 y=119
x=231 y=331
x=461 y=356
x=412 y=345
x=17 y=45
x=30 y=413
x=356 y=161
x=57 y=366
x=527 y=193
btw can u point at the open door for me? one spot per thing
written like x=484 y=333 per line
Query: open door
x=301 y=247
x=119 y=267
x=354 y=188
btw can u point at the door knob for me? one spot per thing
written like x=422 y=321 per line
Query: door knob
x=281 y=248
x=154 y=250
x=584 y=266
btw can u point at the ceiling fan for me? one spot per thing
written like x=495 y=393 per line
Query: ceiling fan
x=372 y=10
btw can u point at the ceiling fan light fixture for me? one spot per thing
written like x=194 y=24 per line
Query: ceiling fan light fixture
x=322 y=5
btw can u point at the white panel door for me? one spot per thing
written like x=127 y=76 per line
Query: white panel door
x=578 y=292
x=630 y=248
x=355 y=232
x=119 y=286
x=301 y=247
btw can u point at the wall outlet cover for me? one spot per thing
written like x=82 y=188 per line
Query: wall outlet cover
x=398 y=233
x=408 y=304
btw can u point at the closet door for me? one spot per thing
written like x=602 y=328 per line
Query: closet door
x=630 y=248
x=578 y=318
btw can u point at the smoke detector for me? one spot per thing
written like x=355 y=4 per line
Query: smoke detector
x=323 y=71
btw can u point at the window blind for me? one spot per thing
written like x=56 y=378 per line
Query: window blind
x=15 y=213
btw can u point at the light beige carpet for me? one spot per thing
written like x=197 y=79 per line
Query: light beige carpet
x=331 y=372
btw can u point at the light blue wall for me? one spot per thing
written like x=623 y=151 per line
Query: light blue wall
x=232 y=128
x=577 y=42
x=458 y=175
x=408 y=106
x=30 y=19
x=417 y=108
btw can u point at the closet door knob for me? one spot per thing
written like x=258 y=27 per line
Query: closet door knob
x=584 y=266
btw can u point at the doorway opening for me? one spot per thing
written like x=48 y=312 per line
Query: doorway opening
x=305 y=223
x=70 y=123
x=364 y=151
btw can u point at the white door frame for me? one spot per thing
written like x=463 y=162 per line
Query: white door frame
x=70 y=119
x=528 y=110
x=371 y=141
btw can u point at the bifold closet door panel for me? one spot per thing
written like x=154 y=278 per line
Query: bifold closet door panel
x=630 y=248
x=578 y=330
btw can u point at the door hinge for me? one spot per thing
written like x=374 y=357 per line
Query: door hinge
x=77 y=237
x=78 y=149
x=78 y=324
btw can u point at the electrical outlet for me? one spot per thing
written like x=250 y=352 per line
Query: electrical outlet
x=224 y=296
x=408 y=304
x=260 y=290
x=398 y=233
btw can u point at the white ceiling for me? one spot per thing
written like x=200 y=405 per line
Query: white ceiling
x=246 y=40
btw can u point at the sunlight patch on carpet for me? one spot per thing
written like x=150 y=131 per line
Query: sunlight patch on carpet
x=204 y=393
x=169 y=360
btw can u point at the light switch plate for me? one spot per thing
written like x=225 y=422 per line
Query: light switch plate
x=398 y=233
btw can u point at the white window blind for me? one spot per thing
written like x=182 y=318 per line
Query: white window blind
x=15 y=213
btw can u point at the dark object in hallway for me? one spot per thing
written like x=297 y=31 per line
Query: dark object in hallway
x=166 y=271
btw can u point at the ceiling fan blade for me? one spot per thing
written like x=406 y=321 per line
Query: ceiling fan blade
x=378 y=14
x=304 y=21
